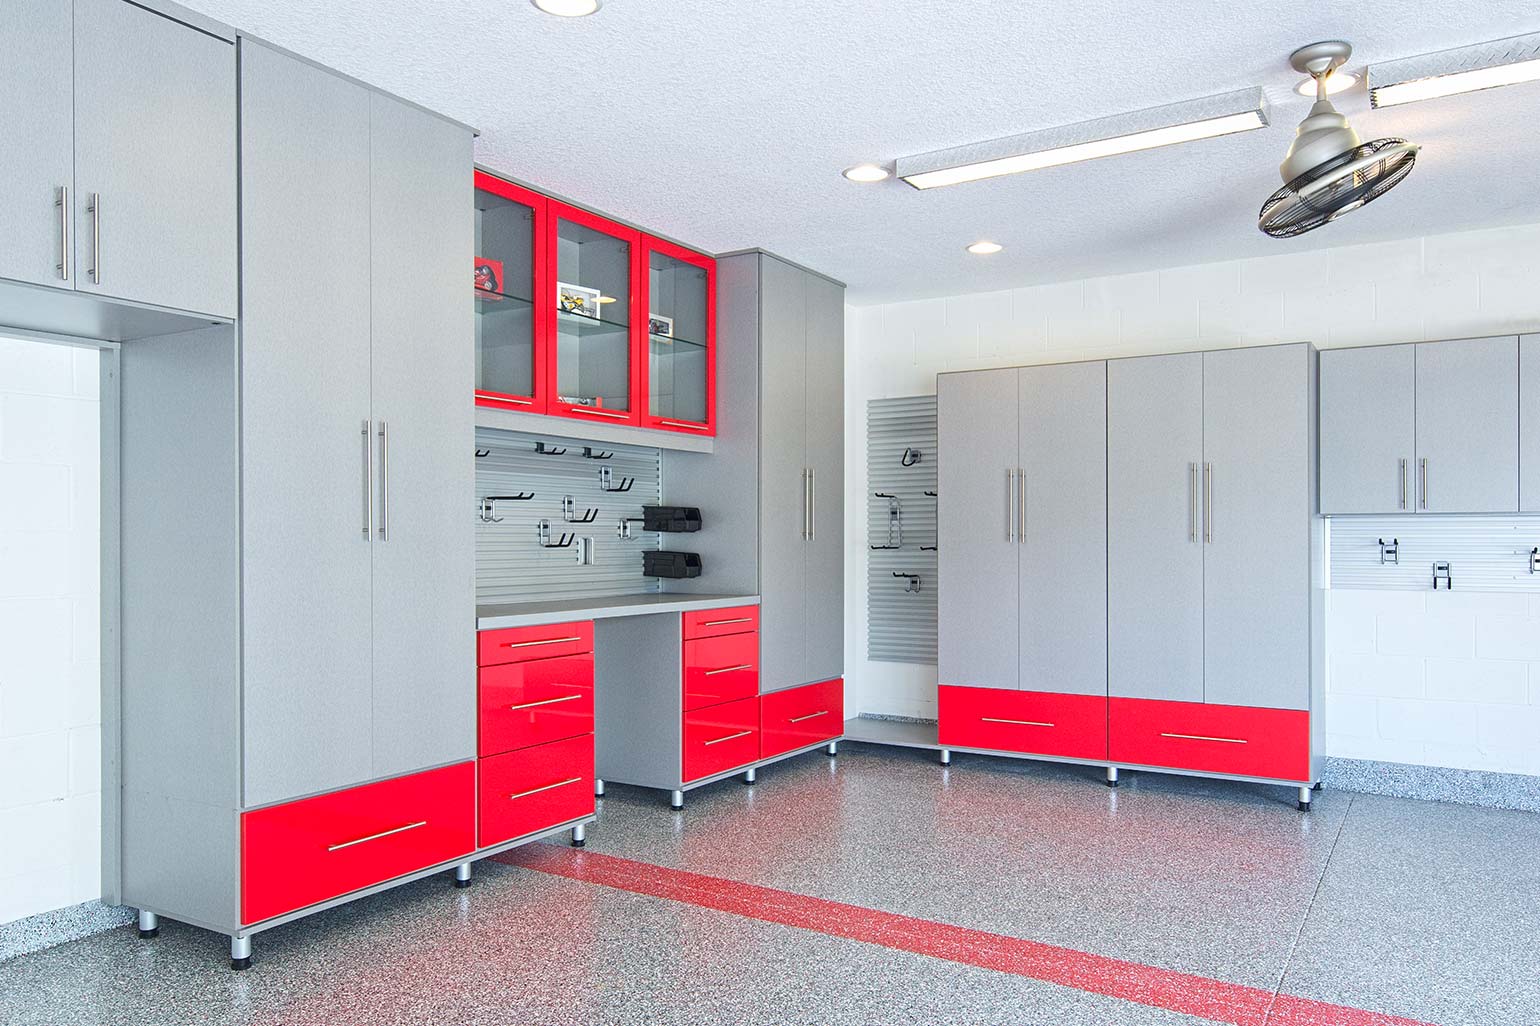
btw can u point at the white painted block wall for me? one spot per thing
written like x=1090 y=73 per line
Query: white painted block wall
x=1438 y=680
x=50 y=699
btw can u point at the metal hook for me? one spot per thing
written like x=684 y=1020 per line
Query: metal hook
x=546 y=450
x=607 y=481
x=1390 y=552
x=569 y=512
x=895 y=522
x=489 y=505
x=911 y=582
x=910 y=457
x=483 y=453
x=565 y=542
x=590 y=454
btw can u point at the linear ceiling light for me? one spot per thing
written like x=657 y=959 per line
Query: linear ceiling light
x=1463 y=70
x=1105 y=137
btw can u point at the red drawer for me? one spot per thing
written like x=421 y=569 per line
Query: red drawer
x=1030 y=722
x=798 y=717
x=525 y=704
x=519 y=644
x=1234 y=739
x=720 y=669
x=720 y=737
x=536 y=788
x=711 y=623
x=317 y=848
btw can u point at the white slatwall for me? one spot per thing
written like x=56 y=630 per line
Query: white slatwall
x=1485 y=553
x=901 y=625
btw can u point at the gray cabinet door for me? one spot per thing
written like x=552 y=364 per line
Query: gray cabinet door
x=422 y=368
x=1529 y=423
x=977 y=613
x=37 y=163
x=304 y=399
x=1256 y=561
x=1368 y=429
x=825 y=431
x=1063 y=528
x=1468 y=426
x=155 y=127
x=1155 y=562
x=783 y=465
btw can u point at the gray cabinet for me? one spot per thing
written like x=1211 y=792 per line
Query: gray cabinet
x=825 y=433
x=1368 y=400
x=37 y=157
x=1529 y=423
x=1468 y=426
x=977 y=612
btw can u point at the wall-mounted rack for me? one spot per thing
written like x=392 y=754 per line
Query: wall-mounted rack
x=590 y=453
x=1441 y=572
x=910 y=457
x=482 y=454
x=607 y=482
x=672 y=565
x=550 y=450
x=912 y=582
x=488 y=510
x=565 y=541
x=1390 y=552
x=569 y=512
x=895 y=522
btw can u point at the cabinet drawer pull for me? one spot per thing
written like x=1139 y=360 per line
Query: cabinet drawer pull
x=1201 y=737
x=809 y=716
x=724 y=623
x=545 y=701
x=95 y=208
x=598 y=412
x=64 y=232
x=682 y=424
x=1403 y=482
x=729 y=737
x=547 y=787
x=1018 y=723
x=729 y=669
x=376 y=837
x=531 y=644
x=1423 y=467
x=504 y=399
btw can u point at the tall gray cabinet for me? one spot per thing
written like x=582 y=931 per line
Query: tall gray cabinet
x=1529 y=423
x=298 y=572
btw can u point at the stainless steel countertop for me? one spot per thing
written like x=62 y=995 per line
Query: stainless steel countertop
x=531 y=614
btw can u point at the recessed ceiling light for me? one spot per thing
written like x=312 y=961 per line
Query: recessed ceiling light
x=1465 y=70
x=865 y=173
x=983 y=248
x=1336 y=82
x=567 y=8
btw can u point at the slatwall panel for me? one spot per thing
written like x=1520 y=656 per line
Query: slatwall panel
x=1485 y=553
x=901 y=626
x=510 y=564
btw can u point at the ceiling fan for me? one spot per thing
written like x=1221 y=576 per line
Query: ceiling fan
x=1329 y=171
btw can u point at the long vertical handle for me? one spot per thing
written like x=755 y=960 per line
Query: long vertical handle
x=1403 y=482
x=1208 y=502
x=1192 y=502
x=1021 y=506
x=812 y=504
x=96 y=237
x=804 y=504
x=64 y=232
x=1424 y=466
x=368 y=485
x=1010 y=514
x=384 y=480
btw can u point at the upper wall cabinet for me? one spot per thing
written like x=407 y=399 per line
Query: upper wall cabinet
x=1431 y=427
x=680 y=370
x=510 y=229
x=123 y=185
x=594 y=365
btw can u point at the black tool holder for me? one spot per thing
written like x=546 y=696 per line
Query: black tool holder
x=1441 y=572
x=674 y=565
x=671 y=519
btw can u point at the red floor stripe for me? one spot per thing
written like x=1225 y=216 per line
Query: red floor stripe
x=1096 y=974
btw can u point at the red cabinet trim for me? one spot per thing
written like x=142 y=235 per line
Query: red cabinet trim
x=1237 y=740
x=652 y=244
x=799 y=717
x=1029 y=722
x=543 y=284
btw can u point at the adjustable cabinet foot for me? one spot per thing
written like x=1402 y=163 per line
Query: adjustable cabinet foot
x=149 y=925
x=463 y=875
x=833 y=749
x=1317 y=787
x=1304 y=799
x=598 y=788
x=946 y=757
x=676 y=800
x=748 y=776
x=1112 y=776
x=240 y=953
x=579 y=835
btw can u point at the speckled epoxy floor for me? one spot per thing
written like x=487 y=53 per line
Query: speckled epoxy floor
x=1423 y=910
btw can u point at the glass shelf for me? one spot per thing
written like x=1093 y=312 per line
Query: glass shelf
x=594 y=341
x=678 y=356
x=674 y=340
x=506 y=234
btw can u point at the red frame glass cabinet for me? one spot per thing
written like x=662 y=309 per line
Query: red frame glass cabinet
x=678 y=340
x=513 y=324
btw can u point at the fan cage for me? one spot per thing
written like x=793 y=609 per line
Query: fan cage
x=1286 y=213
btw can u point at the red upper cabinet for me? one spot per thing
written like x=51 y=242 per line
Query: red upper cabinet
x=511 y=277
x=679 y=340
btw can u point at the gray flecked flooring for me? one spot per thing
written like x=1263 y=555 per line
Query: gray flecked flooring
x=1418 y=909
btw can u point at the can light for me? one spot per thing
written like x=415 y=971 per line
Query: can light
x=985 y=248
x=866 y=173
x=1336 y=82
x=1450 y=72
x=567 y=8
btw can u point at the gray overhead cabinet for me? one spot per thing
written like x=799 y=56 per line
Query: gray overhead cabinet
x=1429 y=427
x=117 y=178
x=299 y=677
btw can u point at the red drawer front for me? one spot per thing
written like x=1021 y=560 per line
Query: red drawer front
x=519 y=644
x=536 y=788
x=712 y=623
x=525 y=704
x=721 y=669
x=1212 y=738
x=317 y=848
x=720 y=737
x=1030 y=722
x=798 y=717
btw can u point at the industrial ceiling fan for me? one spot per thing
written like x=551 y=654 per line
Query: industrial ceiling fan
x=1329 y=170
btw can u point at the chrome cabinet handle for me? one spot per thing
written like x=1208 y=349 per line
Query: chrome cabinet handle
x=1424 y=468
x=1019 y=723
x=804 y=504
x=595 y=411
x=544 y=701
x=1010 y=515
x=384 y=480
x=505 y=398
x=96 y=237
x=729 y=737
x=1403 y=482
x=532 y=644
x=368 y=486
x=812 y=504
x=1208 y=502
x=1021 y=506
x=376 y=837
x=64 y=232
x=724 y=623
x=728 y=669
x=682 y=424
x=547 y=787
x=1192 y=502
x=809 y=716
x=1200 y=737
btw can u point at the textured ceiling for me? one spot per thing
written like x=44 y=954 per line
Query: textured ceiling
x=725 y=124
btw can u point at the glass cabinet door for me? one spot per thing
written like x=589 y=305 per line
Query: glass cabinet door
x=510 y=355
x=595 y=376
x=681 y=338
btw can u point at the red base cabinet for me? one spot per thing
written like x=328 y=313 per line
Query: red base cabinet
x=720 y=738
x=535 y=789
x=1029 y=722
x=1231 y=739
x=800 y=717
x=523 y=704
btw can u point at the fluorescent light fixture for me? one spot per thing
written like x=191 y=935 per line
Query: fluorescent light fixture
x=985 y=248
x=866 y=173
x=1336 y=82
x=1463 y=70
x=1104 y=137
x=567 y=8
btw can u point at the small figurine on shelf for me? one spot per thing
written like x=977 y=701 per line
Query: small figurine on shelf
x=489 y=279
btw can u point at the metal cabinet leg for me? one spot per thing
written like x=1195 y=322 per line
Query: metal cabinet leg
x=240 y=952
x=946 y=757
x=833 y=749
x=676 y=800
x=579 y=835
x=463 y=875
x=598 y=788
x=149 y=925
x=1304 y=798
x=748 y=776
x=1112 y=776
